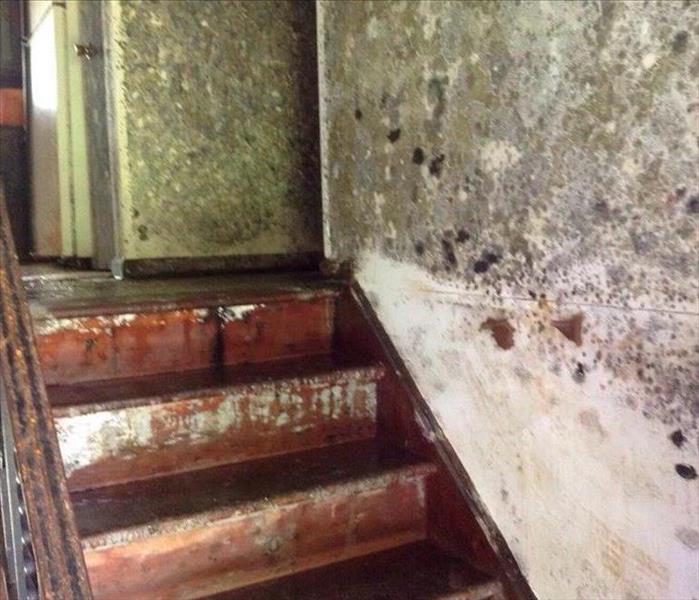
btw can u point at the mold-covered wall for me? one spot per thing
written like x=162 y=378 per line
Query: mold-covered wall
x=216 y=127
x=518 y=185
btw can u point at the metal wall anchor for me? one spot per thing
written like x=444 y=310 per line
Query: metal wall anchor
x=86 y=51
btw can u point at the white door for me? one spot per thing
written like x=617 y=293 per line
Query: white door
x=61 y=215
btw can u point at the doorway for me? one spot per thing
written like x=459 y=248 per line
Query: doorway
x=173 y=137
x=13 y=143
x=61 y=213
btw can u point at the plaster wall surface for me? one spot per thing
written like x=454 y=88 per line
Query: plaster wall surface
x=518 y=186
x=216 y=127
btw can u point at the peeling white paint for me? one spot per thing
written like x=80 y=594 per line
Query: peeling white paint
x=50 y=326
x=118 y=320
x=649 y=60
x=88 y=438
x=201 y=314
x=229 y=314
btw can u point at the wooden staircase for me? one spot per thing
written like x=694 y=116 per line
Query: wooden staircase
x=244 y=438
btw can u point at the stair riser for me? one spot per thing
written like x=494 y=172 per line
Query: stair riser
x=128 y=345
x=242 y=550
x=107 y=446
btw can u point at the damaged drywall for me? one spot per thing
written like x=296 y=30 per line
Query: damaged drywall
x=216 y=127
x=518 y=186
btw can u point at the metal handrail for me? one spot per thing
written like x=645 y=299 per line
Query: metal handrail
x=43 y=554
x=19 y=552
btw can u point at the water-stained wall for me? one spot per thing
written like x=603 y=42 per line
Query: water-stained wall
x=216 y=127
x=518 y=185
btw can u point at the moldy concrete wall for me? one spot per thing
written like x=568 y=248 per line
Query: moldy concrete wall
x=517 y=183
x=215 y=106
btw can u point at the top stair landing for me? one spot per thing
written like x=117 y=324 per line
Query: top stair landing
x=95 y=329
x=98 y=293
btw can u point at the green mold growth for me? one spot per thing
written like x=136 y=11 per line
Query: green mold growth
x=217 y=127
x=554 y=135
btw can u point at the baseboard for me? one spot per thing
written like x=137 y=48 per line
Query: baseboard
x=163 y=267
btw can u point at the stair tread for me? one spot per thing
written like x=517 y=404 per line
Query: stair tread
x=102 y=295
x=88 y=396
x=417 y=571
x=118 y=513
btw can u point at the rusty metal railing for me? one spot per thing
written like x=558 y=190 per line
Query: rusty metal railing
x=20 y=566
x=43 y=545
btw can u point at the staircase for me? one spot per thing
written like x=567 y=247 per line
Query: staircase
x=241 y=438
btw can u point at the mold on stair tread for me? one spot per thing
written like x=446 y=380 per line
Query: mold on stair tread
x=119 y=513
x=120 y=430
x=200 y=533
x=417 y=571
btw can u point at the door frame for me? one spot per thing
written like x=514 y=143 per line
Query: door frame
x=84 y=163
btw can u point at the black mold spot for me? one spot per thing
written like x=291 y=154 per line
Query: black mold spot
x=436 y=165
x=487 y=259
x=143 y=233
x=435 y=89
x=693 y=205
x=469 y=184
x=689 y=537
x=679 y=43
x=678 y=438
x=419 y=248
x=481 y=266
x=462 y=236
x=393 y=135
x=686 y=471
x=532 y=294
x=418 y=156
x=579 y=373
x=602 y=208
x=448 y=252
x=680 y=192
x=358 y=114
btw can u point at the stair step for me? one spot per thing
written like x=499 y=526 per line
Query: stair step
x=166 y=339
x=98 y=293
x=416 y=571
x=204 y=532
x=124 y=429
